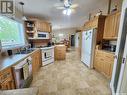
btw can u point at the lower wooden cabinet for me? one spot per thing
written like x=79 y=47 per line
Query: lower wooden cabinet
x=103 y=62
x=60 y=52
x=8 y=85
x=36 y=61
x=6 y=79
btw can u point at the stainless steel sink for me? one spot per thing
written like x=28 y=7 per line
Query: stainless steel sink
x=26 y=51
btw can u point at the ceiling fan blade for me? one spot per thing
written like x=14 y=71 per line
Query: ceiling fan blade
x=74 y=6
x=60 y=8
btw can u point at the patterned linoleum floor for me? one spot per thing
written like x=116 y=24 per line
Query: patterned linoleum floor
x=70 y=77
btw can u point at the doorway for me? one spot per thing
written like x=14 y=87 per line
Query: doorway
x=72 y=40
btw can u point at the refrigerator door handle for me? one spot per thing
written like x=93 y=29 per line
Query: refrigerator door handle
x=124 y=60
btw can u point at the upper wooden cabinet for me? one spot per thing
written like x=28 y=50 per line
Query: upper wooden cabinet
x=43 y=26
x=40 y=25
x=98 y=23
x=112 y=26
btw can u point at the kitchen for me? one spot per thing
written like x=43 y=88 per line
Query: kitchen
x=52 y=57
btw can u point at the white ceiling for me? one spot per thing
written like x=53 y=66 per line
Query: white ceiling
x=45 y=9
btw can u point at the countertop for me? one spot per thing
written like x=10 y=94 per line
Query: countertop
x=60 y=45
x=26 y=91
x=8 y=61
x=106 y=51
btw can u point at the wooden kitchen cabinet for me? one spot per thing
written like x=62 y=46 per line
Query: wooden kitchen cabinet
x=43 y=26
x=98 y=24
x=112 y=26
x=7 y=79
x=60 y=52
x=40 y=25
x=103 y=62
x=36 y=61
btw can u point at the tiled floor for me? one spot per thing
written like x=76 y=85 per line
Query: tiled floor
x=70 y=77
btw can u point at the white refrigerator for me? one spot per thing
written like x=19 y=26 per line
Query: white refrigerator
x=88 y=47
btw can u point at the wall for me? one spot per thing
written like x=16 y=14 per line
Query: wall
x=116 y=2
x=104 y=7
x=78 y=39
x=61 y=34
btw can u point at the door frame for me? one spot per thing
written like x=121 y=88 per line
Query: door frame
x=124 y=8
x=124 y=63
x=71 y=40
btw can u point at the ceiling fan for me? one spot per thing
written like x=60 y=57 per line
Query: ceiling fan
x=66 y=6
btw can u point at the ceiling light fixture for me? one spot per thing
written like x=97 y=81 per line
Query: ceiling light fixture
x=23 y=17
x=67 y=3
x=67 y=11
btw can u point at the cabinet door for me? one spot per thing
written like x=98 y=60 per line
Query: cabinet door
x=48 y=27
x=108 y=65
x=106 y=68
x=98 y=65
x=108 y=27
x=112 y=26
x=36 y=61
x=37 y=25
x=8 y=85
x=103 y=62
x=116 y=25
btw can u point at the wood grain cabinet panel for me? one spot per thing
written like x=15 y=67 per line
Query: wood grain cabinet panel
x=103 y=62
x=98 y=23
x=42 y=26
x=7 y=79
x=60 y=52
x=36 y=61
x=112 y=26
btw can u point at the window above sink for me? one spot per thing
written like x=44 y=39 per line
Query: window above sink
x=11 y=33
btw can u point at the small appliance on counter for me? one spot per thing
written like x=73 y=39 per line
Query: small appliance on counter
x=109 y=47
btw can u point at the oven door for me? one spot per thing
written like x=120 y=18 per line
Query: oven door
x=46 y=54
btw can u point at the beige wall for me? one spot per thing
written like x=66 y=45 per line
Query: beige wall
x=104 y=7
x=61 y=34
x=118 y=3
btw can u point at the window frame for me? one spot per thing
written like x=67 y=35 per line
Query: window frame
x=11 y=47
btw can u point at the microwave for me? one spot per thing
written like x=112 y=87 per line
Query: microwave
x=42 y=35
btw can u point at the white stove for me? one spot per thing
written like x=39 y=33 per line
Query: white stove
x=47 y=55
